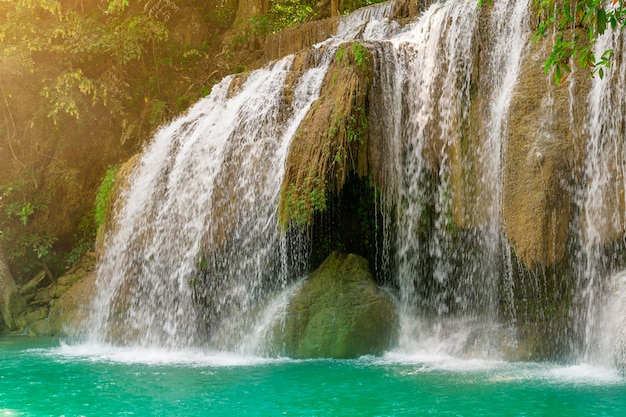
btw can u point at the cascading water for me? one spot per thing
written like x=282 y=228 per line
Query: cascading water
x=196 y=248
x=413 y=83
x=604 y=211
x=196 y=253
x=428 y=73
x=196 y=237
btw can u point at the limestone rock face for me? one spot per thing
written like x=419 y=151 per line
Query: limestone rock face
x=64 y=304
x=122 y=178
x=544 y=155
x=297 y=38
x=339 y=312
x=72 y=308
x=333 y=139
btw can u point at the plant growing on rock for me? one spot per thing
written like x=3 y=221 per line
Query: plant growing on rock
x=563 y=18
x=331 y=142
x=103 y=197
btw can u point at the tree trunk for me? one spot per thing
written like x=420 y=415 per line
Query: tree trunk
x=248 y=9
x=334 y=7
x=9 y=296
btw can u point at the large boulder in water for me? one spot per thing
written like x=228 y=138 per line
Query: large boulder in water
x=338 y=312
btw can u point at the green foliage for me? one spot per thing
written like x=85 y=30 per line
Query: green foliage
x=20 y=205
x=361 y=55
x=15 y=199
x=103 y=197
x=286 y=13
x=355 y=123
x=67 y=92
x=222 y=13
x=78 y=59
x=117 y=6
x=563 y=19
x=85 y=237
x=69 y=65
x=340 y=53
x=348 y=6
x=157 y=112
x=301 y=202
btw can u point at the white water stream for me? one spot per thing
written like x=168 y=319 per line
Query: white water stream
x=604 y=210
x=196 y=257
x=202 y=207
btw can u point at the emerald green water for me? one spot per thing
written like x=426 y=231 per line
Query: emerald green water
x=44 y=377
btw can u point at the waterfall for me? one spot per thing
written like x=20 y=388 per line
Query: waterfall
x=196 y=251
x=427 y=77
x=196 y=256
x=604 y=207
x=196 y=238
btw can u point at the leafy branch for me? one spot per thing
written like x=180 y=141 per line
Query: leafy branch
x=563 y=18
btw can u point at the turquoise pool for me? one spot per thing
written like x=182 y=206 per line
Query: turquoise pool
x=45 y=377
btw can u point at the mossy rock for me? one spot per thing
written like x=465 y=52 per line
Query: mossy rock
x=338 y=312
x=69 y=312
x=41 y=328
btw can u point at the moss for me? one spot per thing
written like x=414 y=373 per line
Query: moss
x=338 y=312
x=355 y=221
x=103 y=197
x=332 y=140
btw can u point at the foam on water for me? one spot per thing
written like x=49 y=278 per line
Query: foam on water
x=55 y=380
x=415 y=363
x=427 y=361
x=495 y=371
x=97 y=352
x=583 y=374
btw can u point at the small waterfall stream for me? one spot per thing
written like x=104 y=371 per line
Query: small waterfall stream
x=196 y=256
x=604 y=210
x=199 y=218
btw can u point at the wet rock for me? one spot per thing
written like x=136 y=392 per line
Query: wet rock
x=33 y=316
x=68 y=313
x=72 y=307
x=41 y=328
x=297 y=38
x=121 y=182
x=544 y=155
x=39 y=281
x=339 y=312
x=59 y=308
